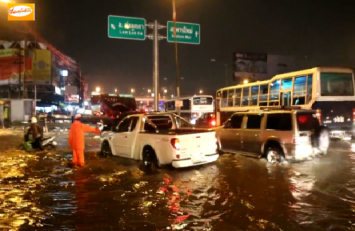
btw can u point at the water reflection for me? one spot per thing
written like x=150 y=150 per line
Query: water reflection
x=41 y=191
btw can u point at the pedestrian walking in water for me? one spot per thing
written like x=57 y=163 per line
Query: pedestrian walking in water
x=2 y=124
x=77 y=140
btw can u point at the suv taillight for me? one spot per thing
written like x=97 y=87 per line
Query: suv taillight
x=319 y=115
x=175 y=142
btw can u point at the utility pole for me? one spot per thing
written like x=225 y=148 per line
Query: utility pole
x=24 y=94
x=155 y=37
x=19 y=71
x=176 y=59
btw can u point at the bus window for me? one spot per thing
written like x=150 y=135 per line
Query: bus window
x=275 y=90
x=237 y=97
x=336 y=84
x=254 y=95
x=287 y=84
x=309 y=88
x=245 y=96
x=203 y=100
x=224 y=98
x=299 y=91
x=186 y=104
x=263 y=95
x=171 y=106
x=230 y=98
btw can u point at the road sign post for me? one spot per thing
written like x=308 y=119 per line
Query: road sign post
x=185 y=32
x=120 y=27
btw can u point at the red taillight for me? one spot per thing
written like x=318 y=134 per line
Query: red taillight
x=319 y=115
x=213 y=123
x=295 y=141
x=146 y=110
x=175 y=142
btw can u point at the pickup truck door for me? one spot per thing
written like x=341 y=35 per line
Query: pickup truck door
x=123 y=135
x=129 y=139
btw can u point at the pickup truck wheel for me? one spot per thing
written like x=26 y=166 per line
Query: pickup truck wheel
x=150 y=159
x=106 y=149
x=274 y=155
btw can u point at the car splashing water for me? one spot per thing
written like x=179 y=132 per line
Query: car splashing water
x=41 y=191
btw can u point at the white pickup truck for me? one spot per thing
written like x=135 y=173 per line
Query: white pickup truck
x=160 y=139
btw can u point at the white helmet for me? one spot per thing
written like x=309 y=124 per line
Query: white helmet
x=34 y=120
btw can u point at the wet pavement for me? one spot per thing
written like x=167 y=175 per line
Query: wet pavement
x=40 y=191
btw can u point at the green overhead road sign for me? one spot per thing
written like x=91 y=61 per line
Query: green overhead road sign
x=185 y=32
x=126 y=27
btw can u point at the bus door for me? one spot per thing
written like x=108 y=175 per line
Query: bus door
x=286 y=92
x=285 y=98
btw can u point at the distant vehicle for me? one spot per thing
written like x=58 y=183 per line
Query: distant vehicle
x=58 y=115
x=276 y=133
x=329 y=91
x=146 y=104
x=207 y=120
x=192 y=107
x=160 y=139
x=111 y=105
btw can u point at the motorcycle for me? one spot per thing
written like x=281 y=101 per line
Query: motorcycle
x=48 y=144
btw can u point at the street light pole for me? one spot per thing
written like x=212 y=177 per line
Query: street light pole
x=176 y=59
x=156 y=65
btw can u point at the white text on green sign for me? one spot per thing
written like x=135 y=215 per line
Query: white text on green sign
x=126 y=27
x=185 y=32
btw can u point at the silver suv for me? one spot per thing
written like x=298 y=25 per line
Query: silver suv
x=276 y=133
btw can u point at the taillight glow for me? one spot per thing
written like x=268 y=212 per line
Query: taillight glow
x=319 y=115
x=146 y=110
x=175 y=142
x=213 y=123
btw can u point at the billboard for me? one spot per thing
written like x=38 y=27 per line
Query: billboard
x=41 y=66
x=249 y=64
x=38 y=66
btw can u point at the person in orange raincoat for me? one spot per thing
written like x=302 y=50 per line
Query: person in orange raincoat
x=77 y=140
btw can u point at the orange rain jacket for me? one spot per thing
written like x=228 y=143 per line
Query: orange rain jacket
x=77 y=134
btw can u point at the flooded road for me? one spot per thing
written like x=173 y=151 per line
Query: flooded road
x=42 y=192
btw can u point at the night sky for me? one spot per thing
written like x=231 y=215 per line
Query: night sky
x=316 y=32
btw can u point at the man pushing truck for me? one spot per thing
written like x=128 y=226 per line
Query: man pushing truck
x=77 y=140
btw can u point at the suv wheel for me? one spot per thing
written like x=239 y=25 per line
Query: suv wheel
x=274 y=155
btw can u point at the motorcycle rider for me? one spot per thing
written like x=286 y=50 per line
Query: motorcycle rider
x=34 y=134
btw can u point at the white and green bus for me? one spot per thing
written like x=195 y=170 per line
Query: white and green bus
x=330 y=91
x=192 y=106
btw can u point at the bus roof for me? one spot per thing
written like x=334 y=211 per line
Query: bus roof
x=289 y=74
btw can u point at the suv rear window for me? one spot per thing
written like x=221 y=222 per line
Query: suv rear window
x=307 y=121
x=280 y=122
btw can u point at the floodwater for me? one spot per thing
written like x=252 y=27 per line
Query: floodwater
x=41 y=191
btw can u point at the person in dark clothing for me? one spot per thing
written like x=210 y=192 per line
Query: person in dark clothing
x=35 y=134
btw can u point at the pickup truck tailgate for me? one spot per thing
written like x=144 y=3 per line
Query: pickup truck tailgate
x=197 y=145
